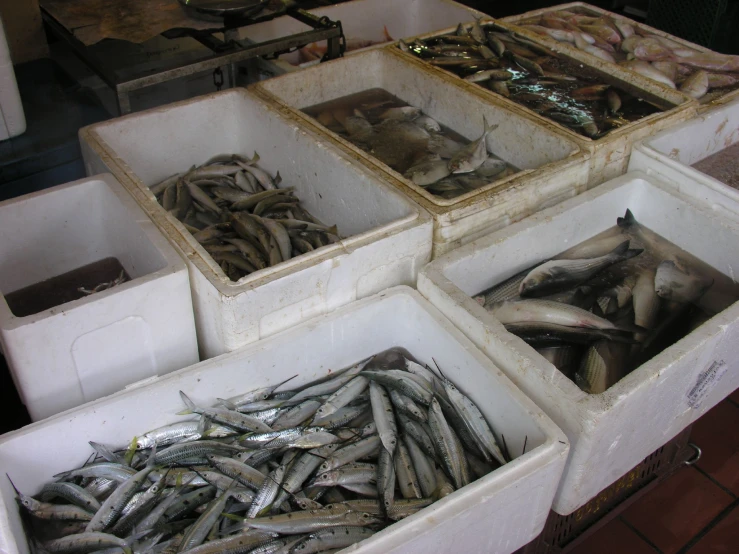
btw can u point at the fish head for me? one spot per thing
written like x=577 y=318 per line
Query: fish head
x=531 y=284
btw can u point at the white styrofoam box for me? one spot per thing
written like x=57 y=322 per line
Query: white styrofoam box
x=595 y=11
x=87 y=348
x=609 y=155
x=498 y=513
x=552 y=167
x=12 y=118
x=611 y=432
x=671 y=153
x=364 y=20
x=388 y=237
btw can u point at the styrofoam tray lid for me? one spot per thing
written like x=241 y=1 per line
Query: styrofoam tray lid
x=397 y=317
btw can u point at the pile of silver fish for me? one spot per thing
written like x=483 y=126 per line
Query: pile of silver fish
x=308 y=470
x=615 y=40
x=532 y=75
x=602 y=308
x=240 y=216
x=414 y=144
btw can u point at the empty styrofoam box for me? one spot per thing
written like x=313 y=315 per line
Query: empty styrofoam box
x=387 y=236
x=498 y=513
x=83 y=349
x=609 y=154
x=363 y=21
x=671 y=153
x=612 y=432
x=552 y=167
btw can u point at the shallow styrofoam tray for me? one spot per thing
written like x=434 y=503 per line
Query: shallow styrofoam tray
x=553 y=168
x=388 y=235
x=84 y=349
x=671 y=153
x=609 y=155
x=364 y=20
x=498 y=513
x=588 y=9
x=611 y=432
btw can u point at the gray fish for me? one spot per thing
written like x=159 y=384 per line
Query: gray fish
x=671 y=282
x=474 y=154
x=556 y=275
x=428 y=172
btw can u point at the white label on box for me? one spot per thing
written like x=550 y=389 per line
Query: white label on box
x=705 y=383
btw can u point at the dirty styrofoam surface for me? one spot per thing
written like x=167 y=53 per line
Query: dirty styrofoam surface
x=612 y=432
x=552 y=167
x=671 y=153
x=498 y=513
x=388 y=237
x=362 y=21
x=12 y=118
x=609 y=155
x=588 y=9
x=81 y=350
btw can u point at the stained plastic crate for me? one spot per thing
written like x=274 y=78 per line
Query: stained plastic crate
x=588 y=9
x=497 y=513
x=388 y=237
x=610 y=432
x=361 y=20
x=81 y=350
x=552 y=166
x=670 y=154
x=609 y=155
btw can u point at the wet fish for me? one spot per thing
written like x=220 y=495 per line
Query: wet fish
x=557 y=275
x=671 y=282
x=474 y=154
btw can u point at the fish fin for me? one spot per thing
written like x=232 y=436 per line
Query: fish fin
x=227 y=404
x=278 y=179
x=633 y=253
x=596 y=310
x=385 y=32
x=191 y=408
x=632 y=328
x=487 y=128
x=333 y=230
x=150 y=462
x=622 y=248
x=627 y=220
x=104 y=452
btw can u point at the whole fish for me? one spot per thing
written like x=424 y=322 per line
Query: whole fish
x=474 y=154
x=534 y=310
x=673 y=283
x=557 y=275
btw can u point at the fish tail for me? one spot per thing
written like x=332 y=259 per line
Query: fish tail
x=628 y=220
x=487 y=127
x=388 y=38
x=189 y=403
x=621 y=249
x=632 y=253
